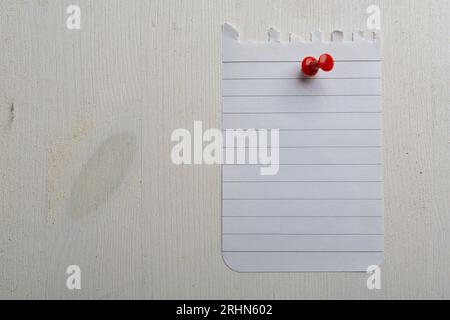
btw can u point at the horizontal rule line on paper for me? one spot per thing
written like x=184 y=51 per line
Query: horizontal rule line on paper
x=309 y=112
x=291 y=70
x=302 y=225
x=303 y=181
x=287 y=130
x=302 y=103
x=301 y=87
x=303 y=121
x=296 y=61
x=324 y=147
x=309 y=251
x=226 y=216
x=314 y=103
x=308 y=164
x=301 y=78
x=236 y=51
x=294 y=129
x=305 y=199
x=307 y=138
x=305 y=79
x=303 y=234
x=302 y=207
x=303 y=174
x=308 y=199
x=299 y=95
x=281 y=130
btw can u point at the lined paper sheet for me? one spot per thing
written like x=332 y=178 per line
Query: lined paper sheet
x=323 y=211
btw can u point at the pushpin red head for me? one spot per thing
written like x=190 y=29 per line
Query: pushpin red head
x=310 y=66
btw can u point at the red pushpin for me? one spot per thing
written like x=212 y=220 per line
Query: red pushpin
x=310 y=66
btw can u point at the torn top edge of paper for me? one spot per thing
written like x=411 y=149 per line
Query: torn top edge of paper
x=323 y=209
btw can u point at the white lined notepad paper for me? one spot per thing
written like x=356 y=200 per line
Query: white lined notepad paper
x=323 y=211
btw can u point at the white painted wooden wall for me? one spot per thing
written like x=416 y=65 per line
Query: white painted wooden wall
x=85 y=170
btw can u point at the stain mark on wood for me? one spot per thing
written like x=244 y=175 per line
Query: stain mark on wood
x=102 y=174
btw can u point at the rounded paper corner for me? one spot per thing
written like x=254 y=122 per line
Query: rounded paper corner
x=229 y=264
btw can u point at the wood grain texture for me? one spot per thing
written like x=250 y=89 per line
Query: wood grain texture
x=86 y=176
